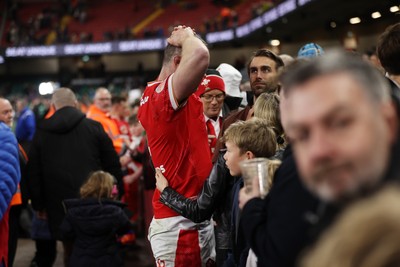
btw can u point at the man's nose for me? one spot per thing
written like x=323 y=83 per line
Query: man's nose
x=259 y=74
x=320 y=146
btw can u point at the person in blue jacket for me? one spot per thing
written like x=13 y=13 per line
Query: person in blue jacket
x=9 y=179
x=26 y=124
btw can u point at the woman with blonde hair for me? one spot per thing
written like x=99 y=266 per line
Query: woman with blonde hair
x=267 y=107
x=94 y=221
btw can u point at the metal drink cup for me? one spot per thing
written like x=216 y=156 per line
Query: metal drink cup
x=256 y=168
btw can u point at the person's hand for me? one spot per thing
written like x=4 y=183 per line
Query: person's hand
x=244 y=196
x=161 y=181
x=179 y=35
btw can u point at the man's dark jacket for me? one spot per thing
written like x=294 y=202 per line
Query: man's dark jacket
x=66 y=148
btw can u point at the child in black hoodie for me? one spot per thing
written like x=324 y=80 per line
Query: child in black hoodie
x=93 y=223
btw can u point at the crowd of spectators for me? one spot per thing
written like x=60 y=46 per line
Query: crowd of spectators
x=327 y=122
x=51 y=24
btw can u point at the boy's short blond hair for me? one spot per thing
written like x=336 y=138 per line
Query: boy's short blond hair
x=253 y=135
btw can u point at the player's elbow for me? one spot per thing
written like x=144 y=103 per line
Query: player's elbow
x=202 y=58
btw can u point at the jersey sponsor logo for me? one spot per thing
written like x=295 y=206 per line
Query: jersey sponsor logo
x=144 y=100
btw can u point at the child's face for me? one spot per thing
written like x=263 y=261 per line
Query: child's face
x=233 y=157
x=136 y=129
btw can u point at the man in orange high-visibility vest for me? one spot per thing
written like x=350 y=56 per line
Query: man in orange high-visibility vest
x=100 y=111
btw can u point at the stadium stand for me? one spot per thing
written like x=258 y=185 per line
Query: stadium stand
x=51 y=22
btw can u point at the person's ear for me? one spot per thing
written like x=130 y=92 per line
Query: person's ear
x=177 y=60
x=250 y=155
x=390 y=115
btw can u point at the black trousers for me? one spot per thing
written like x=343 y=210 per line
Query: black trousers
x=13 y=232
x=221 y=256
x=46 y=252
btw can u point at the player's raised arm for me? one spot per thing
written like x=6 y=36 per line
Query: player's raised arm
x=192 y=63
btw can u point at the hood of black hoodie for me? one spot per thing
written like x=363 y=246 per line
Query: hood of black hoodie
x=92 y=216
x=62 y=121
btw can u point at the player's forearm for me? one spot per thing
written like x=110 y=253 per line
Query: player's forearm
x=186 y=207
x=194 y=62
x=195 y=56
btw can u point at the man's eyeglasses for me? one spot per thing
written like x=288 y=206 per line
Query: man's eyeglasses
x=210 y=98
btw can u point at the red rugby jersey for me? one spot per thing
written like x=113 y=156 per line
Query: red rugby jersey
x=177 y=139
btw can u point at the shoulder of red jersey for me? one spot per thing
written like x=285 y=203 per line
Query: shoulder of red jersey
x=158 y=87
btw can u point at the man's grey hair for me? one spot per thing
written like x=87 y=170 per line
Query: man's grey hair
x=370 y=79
x=63 y=97
x=100 y=90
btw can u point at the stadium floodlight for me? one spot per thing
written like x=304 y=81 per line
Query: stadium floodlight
x=376 y=15
x=355 y=20
x=47 y=88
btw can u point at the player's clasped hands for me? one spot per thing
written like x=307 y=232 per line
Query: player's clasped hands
x=179 y=35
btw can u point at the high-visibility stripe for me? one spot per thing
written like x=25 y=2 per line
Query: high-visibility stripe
x=21 y=149
x=17 y=198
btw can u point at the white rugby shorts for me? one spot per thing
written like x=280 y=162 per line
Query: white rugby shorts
x=177 y=241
